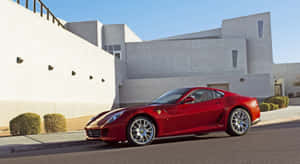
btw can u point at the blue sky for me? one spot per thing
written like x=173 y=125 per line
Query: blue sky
x=151 y=19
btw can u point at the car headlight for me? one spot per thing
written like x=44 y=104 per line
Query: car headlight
x=114 y=117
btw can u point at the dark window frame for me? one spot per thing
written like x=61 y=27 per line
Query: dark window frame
x=260 y=29
x=221 y=94
x=235 y=54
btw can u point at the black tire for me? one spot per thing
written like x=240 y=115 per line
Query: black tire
x=241 y=127
x=142 y=131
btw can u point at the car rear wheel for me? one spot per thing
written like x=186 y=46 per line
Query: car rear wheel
x=239 y=122
x=141 y=131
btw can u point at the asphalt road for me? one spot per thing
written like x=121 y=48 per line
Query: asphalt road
x=274 y=144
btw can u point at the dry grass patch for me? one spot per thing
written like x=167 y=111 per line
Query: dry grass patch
x=4 y=131
x=75 y=124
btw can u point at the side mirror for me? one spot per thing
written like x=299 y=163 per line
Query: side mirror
x=188 y=100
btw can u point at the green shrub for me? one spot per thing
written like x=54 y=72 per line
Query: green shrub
x=264 y=107
x=55 y=123
x=25 y=124
x=281 y=101
x=287 y=101
x=274 y=106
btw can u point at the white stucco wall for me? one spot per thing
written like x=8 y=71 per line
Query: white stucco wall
x=259 y=50
x=185 y=57
x=290 y=72
x=30 y=87
x=118 y=34
x=113 y=34
x=145 y=90
x=91 y=31
x=130 y=36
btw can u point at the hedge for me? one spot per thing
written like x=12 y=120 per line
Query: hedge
x=55 y=123
x=264 y=107
x=282 y=101
x=287 y=101
x=274 y=106
x=25 y=124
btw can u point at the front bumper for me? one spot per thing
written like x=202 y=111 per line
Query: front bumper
x=111 y=132
x=256 y=121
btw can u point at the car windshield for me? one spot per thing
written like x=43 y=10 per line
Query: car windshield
x=171 y=97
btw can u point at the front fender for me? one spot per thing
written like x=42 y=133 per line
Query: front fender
x=150 y=114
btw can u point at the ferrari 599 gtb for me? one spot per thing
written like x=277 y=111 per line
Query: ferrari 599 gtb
x=177 y=112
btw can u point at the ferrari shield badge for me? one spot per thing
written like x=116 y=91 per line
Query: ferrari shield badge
x=158 y=112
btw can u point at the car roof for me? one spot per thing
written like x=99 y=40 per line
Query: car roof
x=209 y=89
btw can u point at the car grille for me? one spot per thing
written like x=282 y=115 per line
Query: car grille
x=93 y=133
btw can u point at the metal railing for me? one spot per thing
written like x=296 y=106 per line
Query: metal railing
x=41 y=9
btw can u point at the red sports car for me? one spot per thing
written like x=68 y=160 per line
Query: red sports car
x=177 y=112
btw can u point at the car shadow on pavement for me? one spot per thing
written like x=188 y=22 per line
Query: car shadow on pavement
x=190 y=138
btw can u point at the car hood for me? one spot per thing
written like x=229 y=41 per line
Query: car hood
x=104 y=116
x=141 y=107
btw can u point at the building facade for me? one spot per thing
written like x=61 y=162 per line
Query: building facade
x=88 y=67
x=287 y=79
x=236 y=57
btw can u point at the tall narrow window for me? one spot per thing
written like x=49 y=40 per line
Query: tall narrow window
x=118 y=54
x=234 y=58
x=260 y=25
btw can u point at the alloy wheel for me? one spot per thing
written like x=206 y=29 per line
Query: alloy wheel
x=142 y=131
x=240 y=121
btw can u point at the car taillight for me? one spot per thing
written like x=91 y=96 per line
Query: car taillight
x=254 y=103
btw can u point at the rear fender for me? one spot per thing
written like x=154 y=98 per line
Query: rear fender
x=227 y=113
x=233 y=103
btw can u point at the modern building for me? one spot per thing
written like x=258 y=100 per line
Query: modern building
x=235 y=57
x=287 y=79
x=82 y=68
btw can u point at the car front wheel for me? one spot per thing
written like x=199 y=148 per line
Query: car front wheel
x=239 y=122
x=141 y=131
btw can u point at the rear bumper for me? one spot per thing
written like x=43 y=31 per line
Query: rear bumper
x=256 y=121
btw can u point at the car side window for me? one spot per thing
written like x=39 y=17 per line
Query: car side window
x=202 y=95
x=218 y=94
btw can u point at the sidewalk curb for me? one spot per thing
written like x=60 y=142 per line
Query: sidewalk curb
x=9 y=150
x=279 y=121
